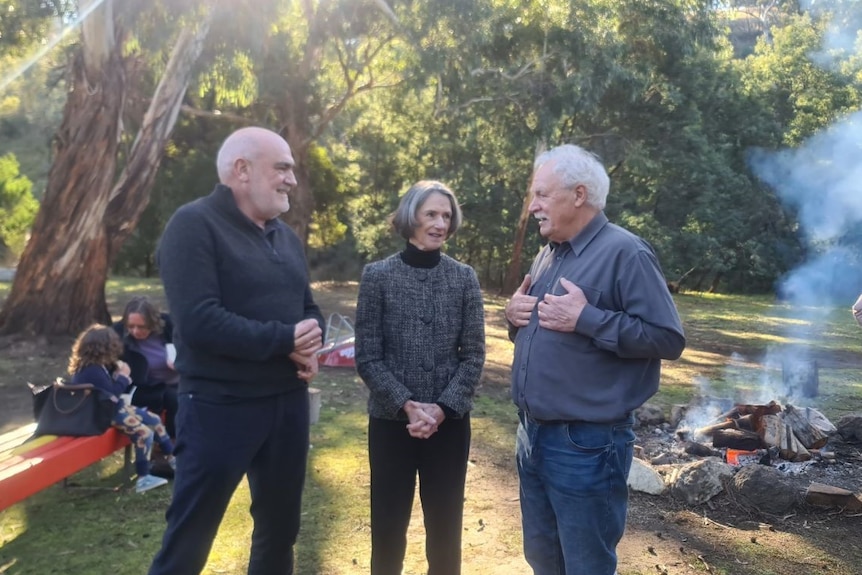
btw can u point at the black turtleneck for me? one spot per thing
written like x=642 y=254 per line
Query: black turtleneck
x=414 y=257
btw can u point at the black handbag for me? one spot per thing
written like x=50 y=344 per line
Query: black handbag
x=75 y=410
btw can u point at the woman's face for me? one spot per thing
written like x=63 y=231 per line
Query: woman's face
x=433 y=219
x=136 y=325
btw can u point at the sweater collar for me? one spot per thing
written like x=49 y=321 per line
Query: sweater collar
x=414 y=257
x=222 y=196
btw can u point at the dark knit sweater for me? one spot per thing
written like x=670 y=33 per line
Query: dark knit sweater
x=235 y=293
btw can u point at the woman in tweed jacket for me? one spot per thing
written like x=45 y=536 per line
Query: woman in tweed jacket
x=420 y=346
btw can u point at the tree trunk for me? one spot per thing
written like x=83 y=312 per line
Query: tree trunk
x=131 y=194
x=302 y=197
x=514 y=275
x=59 y=285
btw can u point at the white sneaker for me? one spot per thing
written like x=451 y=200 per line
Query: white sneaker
x=172 y=461
x=148 y=482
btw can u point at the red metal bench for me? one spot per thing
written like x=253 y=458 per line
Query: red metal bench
x=27 y=467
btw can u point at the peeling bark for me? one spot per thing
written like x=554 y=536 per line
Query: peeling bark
x=59 y=285
x=131 y=194
x=86 y=212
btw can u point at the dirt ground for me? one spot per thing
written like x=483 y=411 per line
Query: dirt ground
x=663 y=536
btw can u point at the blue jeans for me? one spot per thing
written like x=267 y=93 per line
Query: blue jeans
x=574 y=493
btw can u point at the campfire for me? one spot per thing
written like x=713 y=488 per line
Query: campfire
x=762 y=452
x=764 y=431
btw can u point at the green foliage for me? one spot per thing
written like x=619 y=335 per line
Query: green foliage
x=18 y=208
x=466 y=91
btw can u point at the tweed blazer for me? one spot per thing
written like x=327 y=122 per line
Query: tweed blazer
x=420 y=335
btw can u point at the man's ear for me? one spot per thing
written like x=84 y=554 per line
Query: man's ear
x=580 y=195
x=242 y=169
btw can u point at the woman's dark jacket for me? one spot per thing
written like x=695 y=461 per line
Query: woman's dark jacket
x=420 y=335
x=132 y=354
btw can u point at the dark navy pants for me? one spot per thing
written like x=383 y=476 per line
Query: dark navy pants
x=219 y=441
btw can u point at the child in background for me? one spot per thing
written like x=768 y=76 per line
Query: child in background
x=95 y=360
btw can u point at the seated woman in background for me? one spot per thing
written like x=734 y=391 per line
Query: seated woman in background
x=95 y=360
x=146 y=333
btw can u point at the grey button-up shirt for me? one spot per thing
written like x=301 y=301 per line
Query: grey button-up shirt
x=611 y=363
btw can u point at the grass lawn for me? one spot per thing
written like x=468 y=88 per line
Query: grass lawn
x=732 y=341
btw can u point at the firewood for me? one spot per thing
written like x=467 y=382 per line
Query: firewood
x=698 y=449
x=824 y=495
x=737 y=439
x=708 y=430
x=770 y=408
x=771 y=430
x=791 y=448
x=747 y=422
x=820 y=421
x=809 y=435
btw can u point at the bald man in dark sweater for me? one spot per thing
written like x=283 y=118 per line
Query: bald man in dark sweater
x=247 y=331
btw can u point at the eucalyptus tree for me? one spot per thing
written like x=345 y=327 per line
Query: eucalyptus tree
x=88 y=208
x=294 y=65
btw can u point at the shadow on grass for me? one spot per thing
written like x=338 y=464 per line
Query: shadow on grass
x=97 y=528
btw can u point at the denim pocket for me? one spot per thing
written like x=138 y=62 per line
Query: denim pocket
x=590 y=436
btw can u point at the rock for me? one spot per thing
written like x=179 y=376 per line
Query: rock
x=763 y=488
x=649 y=414
x=850 y=427
x=663 y=459
x=644 y=478
x=698 y=482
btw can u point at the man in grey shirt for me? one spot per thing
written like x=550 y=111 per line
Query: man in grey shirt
x=591 y=323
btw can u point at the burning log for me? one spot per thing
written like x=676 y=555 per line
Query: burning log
x=737 y=439
x=709 y=430
x=747 y=422
x=698 y=449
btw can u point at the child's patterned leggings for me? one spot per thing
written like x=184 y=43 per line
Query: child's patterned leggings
x=142 y=426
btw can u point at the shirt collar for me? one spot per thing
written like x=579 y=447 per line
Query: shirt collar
x=582 y=239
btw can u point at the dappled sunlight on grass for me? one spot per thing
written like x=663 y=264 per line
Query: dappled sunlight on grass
x=15 y=523
x=759 y=337
x=335 y=500
x=230 y=551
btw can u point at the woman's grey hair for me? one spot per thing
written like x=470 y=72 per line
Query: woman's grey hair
x=404 y=219
x=576 y=166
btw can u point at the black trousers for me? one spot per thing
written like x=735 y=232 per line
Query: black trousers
x=157 y=398
x=441 y=464
x=217 y=443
